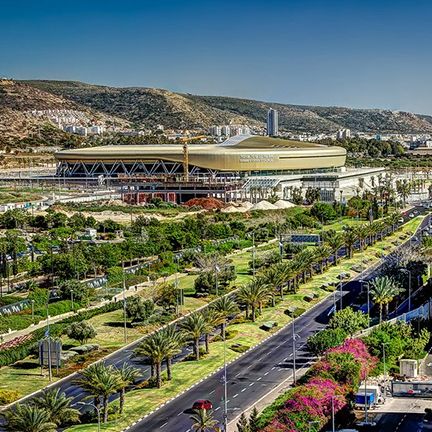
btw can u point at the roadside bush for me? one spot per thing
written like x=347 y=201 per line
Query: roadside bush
x=81 y=331
x=8 y=396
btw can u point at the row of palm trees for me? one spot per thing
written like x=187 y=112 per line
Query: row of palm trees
x=164 y=345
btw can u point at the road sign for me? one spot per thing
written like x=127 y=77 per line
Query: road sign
x=302 y=238
x=50 y=351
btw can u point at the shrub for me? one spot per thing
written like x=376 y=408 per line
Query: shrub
x=8 y=396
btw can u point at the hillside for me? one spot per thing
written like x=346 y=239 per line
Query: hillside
x=147 y=107
x=25 y=113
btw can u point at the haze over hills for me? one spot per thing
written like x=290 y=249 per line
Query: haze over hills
x=142 y=107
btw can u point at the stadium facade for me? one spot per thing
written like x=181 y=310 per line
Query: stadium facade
x=239 y=163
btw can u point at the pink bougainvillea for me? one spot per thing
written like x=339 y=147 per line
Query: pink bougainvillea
x=313 y=401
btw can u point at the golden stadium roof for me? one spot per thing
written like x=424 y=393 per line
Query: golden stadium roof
x=238 y=153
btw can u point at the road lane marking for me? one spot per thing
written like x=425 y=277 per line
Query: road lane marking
x=218 y=408
x=251 y=384
x=243 y=390
x=160 y=427
x=235 y=395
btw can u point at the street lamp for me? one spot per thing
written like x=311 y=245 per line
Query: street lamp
x=72 y=300
x=97 y=410
x=32 y=309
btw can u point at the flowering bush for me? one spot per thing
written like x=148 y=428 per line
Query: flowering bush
x=330 y=382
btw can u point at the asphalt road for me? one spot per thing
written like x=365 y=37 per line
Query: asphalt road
x=403 y=422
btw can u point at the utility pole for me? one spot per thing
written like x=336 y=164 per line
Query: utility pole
x=294 y=351
x=341 y=294
x=333 y=414
x=253 y=253
x=225 y=389
x=124 y=305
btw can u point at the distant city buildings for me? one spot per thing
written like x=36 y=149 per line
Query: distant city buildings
x=272 y=122
x=343 y=134
x=229 y=130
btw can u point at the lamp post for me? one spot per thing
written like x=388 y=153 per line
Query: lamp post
x=333 y=414
x=216 y=280
x=97 y=410
x=32 y=309
x=341 y=294
x=72 y=300
x=124 y=305
x=225 y=417
x=253 y=253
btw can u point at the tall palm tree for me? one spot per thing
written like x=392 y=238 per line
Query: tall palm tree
x=274 y=278
x=100 y=381
x=203 y=421
x=174 y=343
x=362 y=233
x=58 y=406
x=335 y=241
x=349 y=238
x=212 y=319
x=225 y=306
x=155 y=347
x=194 y=326
x=28 y=418
x=383 y=290
x=321 y=255
x=127 y=375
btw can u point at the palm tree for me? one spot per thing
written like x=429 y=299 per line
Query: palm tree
x=194 y=326
x=28 y=418
x=174 y=344
x=349 y=238
x=127 y=375
x=362 y=233
x=58 y=407
x=321 y=254
x=100 y=381
x=335 y=241
x=203 y=421
x=253 y=295
x=155 y=347
x=383 y=290
x=225 y=306
x=212 y=319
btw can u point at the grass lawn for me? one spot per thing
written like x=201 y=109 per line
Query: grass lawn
x=140 y=402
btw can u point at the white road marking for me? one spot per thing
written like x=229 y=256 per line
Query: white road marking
x=218 y=408
x=251 y=384
x=160 y=427
x=235 y=395
x=243 y=390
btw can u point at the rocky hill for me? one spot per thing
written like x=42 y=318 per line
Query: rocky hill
x=26 y=116
x=149 y=107
x=24 y=104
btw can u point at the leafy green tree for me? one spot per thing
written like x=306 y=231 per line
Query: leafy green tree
x=28 y=418
x=166 y=295
x=349 y=238
x=81 y=331
x=14 y=219
x=81 y=291
x=320 y=342
x=58 y=406
x=349 y=321
x=138 y=309
x=323 y=212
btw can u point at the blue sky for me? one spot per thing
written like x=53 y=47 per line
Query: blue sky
x=321 y=52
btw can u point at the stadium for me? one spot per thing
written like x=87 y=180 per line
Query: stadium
x=237 y=165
